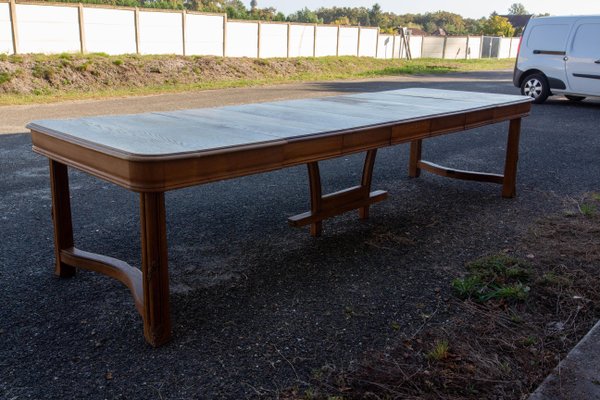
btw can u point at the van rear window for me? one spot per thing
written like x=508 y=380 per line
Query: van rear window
x=548 y=37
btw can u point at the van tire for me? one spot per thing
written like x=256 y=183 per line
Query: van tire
x=536 y=86
x=574 y=98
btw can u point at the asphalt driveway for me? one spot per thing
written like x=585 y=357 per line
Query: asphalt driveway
x=259 y=306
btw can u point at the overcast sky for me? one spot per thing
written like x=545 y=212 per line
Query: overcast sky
x=466 y=8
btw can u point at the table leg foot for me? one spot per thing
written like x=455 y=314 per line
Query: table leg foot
x=155 y=274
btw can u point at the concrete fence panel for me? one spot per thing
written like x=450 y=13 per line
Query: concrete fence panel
x=504 y=48
x=47 y=29
x=433 y=47
x=204 y=35
x=398 y=47
x=302 y=40
x=242 y=39
x=6 y=43
x=326 y=41
x=456 y=48
x=368 y=42
x=273 y=40
x=514 y=47
x=474 y=51
x=348 y=45
x=415 y=43
x=385 y=46
x=160 y=32
x=109 y=31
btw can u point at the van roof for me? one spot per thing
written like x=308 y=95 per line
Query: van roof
x=564 y=18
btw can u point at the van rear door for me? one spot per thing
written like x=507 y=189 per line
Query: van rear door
x=583 y=57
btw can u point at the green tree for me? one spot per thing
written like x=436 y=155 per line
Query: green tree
x=496 y=25
x=375 y=16
x=517 y=9
x=306 y=16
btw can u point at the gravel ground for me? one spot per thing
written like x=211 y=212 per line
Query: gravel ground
x=257 y=306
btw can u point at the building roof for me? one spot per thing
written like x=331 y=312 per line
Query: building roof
x=518 y=21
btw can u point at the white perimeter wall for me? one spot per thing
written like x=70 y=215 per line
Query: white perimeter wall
x=47 y=29
x=504 y=49
x=415 y=46
x=368 y=42
x=302 y=39
x=109 y=31
x=474 y=47
x=273 y=40
x=326 y=41
x=456 y=48
x=433 y=47
x=514 y=49
x=160 y=33
x=6 y=45
x=384 y=49
x=242 y=39
x=348 y=45
x=204 y=35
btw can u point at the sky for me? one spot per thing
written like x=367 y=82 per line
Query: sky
x=466 y=8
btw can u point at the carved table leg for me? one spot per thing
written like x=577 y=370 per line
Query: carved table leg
x=326 y=206
x=415 y=157
x=512 y=157
x=314 y=178
x=61 y=216
x=155 y=273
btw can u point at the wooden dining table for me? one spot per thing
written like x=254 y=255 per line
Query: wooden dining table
x=155 y=152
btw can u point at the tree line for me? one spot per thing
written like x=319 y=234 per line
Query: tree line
x=388 y=22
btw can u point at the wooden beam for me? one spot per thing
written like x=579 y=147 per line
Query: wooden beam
x=512 y=157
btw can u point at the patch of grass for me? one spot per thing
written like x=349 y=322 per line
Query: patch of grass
x=440 y=351
x=595 y=196
x=269 y=71
x=588 y=210
x=43 y=71
x=5 y=77
x=497 y=277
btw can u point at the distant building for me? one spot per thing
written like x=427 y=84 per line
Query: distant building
x=417 y=32
x=518 y=22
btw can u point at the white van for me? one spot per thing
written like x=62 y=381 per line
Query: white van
x=559 y=55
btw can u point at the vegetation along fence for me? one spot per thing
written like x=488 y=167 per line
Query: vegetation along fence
x=30 y=27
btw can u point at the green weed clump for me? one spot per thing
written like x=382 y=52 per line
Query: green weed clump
x=497 y=277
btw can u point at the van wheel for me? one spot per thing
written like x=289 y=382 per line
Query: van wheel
x=536 y=86
x=574 y=98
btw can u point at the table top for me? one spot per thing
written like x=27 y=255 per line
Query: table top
x=243 y=126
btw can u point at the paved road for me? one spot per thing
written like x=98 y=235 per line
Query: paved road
x=14 y=118
x=259 y=306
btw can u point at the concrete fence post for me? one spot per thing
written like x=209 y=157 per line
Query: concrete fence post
x=422 y=45
x=481 y=47
x=337 y=45
x=444 y=48
x=358 y=43
x=224 y=35
x=393 y=45
x=258 y=40
x=183 y=30
x=81 y=29
x=467 y=50
x=289 y=29
x=377 y=43
x=136 y=19
x=315 y=42
x=12 y=9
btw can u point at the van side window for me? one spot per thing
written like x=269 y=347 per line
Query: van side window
x=587 y=41
x=548 y=37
